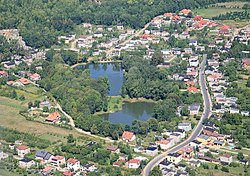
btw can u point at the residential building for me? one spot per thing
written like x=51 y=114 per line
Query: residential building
x=22 y=150
x=54 y=117
x=226 y=158
x=128 y=136
x=58 y=161
x=152 y=151
x=26 y=163
x=73 y=164
x=166 y=164
x=185 y=126
x=164 y=144
x=113 y=149
x=43 y=156
x=134 y=163
x=194 y=109
x=195 y=144
x=89 y=167
x=174 y=157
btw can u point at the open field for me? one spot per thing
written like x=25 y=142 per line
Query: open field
x=212 y=11
x=235 y=24
x=10 y=118
x=233 y=4
x=4 y=172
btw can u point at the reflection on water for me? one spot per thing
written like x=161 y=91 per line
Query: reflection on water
x=111 y=70
x=130 y=112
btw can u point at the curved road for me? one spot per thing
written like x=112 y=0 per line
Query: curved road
x=206 y=114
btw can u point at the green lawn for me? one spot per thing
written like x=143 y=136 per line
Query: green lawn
x=212 y=11
x=4 y=172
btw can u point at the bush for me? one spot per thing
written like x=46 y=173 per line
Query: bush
x=224 y=169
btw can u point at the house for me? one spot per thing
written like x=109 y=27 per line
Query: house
x=165 y=144
x=246 y=63
x=45 y=104
x=128 y=136
x=176 y=137
x=44 y=156
x=152 y=151
x=73 y=164
x=174 y=158
x=68 y=173
x=195 y=144
x=245 y=113
x=54 y=117
x=181 y=132
x=23 y=81
x=192 y=89
x=203 y=139
x=3 y=74
x=26 y=163
x=89 y=167
x=47 y=171
x=195 y=163
x=58 y=161
x=166 y=164
x=134 y=163
x=181 y=167
x=193 y=42
x=186 y=152
x=194 y=109
x=120 y=27
x=97 y=35
x=35 y=77
x=185 y=126
x=226 y=158
x=9 y=65
x=22 y=150
x=113 y=149
x=185 y=12
x=3 y=155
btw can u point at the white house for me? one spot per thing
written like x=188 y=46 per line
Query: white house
x=185 y=126
x=195 y=144
x=166 y=164
x=193 y=43
x=26 y=163
x=226 y=158
x=73 y=164
x=89 y=167
x=58 y=161
x=194 y=109
x=22 y=150
x=174 y=157
x=134 y=163
x=165 y=144
x=152 y=151
x=128 y=136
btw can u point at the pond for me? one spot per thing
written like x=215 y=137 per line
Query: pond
x=130 y=112
x=112 y=71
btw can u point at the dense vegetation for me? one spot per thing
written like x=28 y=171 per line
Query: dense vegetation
x=41 y=21
x=12 y=135
x=233 y=16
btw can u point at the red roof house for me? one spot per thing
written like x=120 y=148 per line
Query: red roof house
x=54 y=117
x=128 y=136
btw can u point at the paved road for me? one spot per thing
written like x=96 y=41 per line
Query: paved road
x=206 y=114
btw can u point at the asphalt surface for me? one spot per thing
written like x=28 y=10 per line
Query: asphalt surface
x=206 y=114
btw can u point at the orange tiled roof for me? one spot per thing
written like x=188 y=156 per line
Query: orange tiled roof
x=54 y=116
x=24 y=81
x=22 y=147
x=127 y=135
x=72 y=160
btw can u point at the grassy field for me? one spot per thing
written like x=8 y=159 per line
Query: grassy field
x=214 y=11
x=10 y=118
x=235 y=24
x=4 y=172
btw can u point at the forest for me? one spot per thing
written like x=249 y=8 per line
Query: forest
x=40 y=22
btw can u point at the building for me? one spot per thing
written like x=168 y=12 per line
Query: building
x=174 y=157
x=164 y=144
x=43 y=156
x=246 y=63
x=47 y=171
x=152 y=151
x=203 y=139
x=26 y=163
x=166 y=164
x=113 y=149
x=35 y=77
x=3 y=74
x=3 y=155
x=68 y=173
x=226 y=158
x=89 y=167
x=58 y=161
x=54 y=117
x=194 y=109
x=134 y=163
x=73 y=164
x=22 y=150
x=185 y=126
x=128 y=136
x=195 y=144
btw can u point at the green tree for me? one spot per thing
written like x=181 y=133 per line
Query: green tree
x=240 y=156
x=70 y=138
x=155 y=172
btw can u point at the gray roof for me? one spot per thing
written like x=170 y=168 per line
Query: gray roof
x=203 y=136
x=43 y=154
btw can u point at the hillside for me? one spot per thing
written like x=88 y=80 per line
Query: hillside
x=41 y=21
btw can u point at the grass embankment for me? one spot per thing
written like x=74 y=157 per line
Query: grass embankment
x=10 y=118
